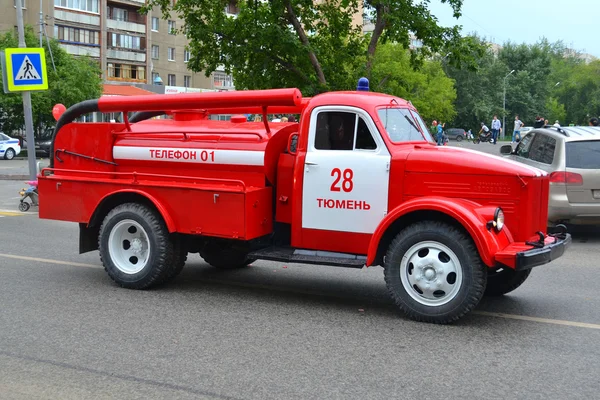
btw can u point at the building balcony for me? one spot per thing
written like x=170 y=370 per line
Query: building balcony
x=126 y=26
x=138 y=3
x=88 y=19
x=81 y=50
x=127 y=55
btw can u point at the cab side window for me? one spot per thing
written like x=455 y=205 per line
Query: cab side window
x=337 y=131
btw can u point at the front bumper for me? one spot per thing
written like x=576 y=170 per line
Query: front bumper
x=539 y=256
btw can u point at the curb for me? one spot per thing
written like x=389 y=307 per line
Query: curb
x=14 y=177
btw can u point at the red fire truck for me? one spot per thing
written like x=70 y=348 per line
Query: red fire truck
x=357 y=181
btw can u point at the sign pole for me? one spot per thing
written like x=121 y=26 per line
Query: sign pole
x=27 y=102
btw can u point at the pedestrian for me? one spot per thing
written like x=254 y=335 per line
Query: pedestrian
x=594 y=121
x=556 y=124
x=539 y=122
x=517 y=130
x=292 y=118
x=496 y=128
x=469 y=134
x=440 y=134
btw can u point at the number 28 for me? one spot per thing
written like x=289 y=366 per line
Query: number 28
x=345 y=177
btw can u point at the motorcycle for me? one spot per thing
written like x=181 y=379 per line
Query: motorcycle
x=32 y=193
x=483 y=137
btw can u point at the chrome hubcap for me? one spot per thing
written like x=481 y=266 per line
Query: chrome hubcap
x=431 y=273
x=129 y=246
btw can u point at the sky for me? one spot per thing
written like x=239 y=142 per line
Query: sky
x=526 y=21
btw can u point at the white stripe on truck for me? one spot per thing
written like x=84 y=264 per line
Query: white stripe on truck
x=188 y=155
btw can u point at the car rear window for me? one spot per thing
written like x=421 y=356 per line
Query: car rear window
x=583 y=155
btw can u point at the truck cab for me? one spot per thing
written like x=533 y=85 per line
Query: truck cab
x=357 y=182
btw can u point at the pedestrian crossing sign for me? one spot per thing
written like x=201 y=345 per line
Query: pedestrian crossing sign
x=25 y=69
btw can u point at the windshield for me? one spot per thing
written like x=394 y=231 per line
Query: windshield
x=401 y=126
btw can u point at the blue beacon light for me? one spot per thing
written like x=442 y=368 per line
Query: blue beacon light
x=363 y=85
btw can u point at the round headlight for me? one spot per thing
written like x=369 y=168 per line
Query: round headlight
x=499 y=219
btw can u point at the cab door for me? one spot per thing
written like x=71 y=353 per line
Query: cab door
x=346 y=180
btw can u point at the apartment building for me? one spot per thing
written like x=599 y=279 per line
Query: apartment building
x=131 y=48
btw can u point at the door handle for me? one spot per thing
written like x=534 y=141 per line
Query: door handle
x=310 y=163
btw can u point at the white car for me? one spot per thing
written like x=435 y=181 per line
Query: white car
x=9 y=147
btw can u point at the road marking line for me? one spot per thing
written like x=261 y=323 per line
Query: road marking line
x=536 y=319
x=250 y=285
x=10 y=214
x=46 y=260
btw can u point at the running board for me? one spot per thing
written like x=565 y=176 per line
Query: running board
x=300 y=256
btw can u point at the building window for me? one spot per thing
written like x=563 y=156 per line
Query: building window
x=171 y=80
x=186 y=55
x=222 y=80
x=155 y=52
x=171 y=27
x=76 y=35
x=126 y=72
x=80 y=5
x=126 y=41
x=187 y=81
x=155 y=24
x=171 y=55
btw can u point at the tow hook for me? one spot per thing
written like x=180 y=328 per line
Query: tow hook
x=540 y=243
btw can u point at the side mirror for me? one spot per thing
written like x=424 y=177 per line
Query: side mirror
x=292 y=144
x=506 y=150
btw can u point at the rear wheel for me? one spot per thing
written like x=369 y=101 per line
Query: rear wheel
x=135 y=246
x=459 y=138
x=23 y=206
x=505 y=280
x=9 y=154
x=434 y=273
x=225 y=257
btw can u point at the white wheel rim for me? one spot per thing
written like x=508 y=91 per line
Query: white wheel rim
x=129 y=246
x=431 y=273
x=9 y=154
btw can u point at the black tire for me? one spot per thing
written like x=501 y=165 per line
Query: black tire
x=472 y=272
x=9 y=154
x=505 y=281
x=459 y=138
x=476 y=141
x=23 y=206
x=179 y=259
x=225 y=258
x=159 y=265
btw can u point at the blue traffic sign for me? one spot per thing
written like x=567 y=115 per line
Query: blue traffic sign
x=26 y=69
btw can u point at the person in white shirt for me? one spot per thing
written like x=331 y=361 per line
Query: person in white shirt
x=556 y=124
x=517 y=130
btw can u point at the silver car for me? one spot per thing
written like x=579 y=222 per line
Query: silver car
x=571 y=155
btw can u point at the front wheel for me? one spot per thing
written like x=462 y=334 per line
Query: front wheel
x=434 y=273
x=505 y=280
x=459 y=138
x=23 y=206
x=135 y=246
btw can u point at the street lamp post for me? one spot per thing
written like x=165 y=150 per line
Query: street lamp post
x=504 y=106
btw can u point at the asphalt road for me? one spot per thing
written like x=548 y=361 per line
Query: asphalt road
x=275 y=331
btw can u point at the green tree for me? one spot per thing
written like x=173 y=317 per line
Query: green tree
x=75 y=79
x=428 y=88
x=579 y=91
x=314 y=46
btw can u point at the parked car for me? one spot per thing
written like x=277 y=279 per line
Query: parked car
x=456 y=134
x=524 y=130
x=571 y=155
x=9 y=147
x=42 y=143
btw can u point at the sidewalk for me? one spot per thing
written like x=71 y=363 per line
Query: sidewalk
x=18 y=168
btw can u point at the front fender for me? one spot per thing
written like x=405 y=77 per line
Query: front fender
x=472 y=216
